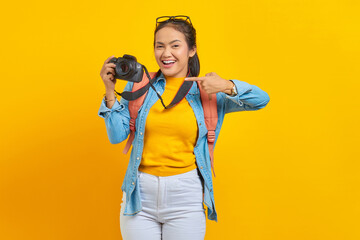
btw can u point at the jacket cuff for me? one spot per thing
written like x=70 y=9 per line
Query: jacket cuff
x=241 y=88
x=104 y=110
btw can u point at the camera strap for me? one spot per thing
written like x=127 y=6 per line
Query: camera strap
x=133 y=95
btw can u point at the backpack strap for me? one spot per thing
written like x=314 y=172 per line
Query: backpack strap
x=134 y=107
x=211 y=119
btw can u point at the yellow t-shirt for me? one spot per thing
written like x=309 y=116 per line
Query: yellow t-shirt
x=170 y=135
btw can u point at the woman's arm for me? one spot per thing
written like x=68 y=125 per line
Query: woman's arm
x=117 y=117
x=110 y=98
x=248 y=98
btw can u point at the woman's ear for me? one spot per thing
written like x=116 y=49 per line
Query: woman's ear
x=192 y=52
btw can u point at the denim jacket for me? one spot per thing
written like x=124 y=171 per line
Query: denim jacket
x=249 y=97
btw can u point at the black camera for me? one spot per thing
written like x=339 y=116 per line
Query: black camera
x=127 y=68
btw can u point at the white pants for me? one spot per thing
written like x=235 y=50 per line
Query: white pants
x=172 y=209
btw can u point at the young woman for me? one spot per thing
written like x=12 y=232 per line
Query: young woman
x=169 y=173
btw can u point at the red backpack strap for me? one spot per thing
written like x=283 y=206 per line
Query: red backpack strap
x=211 y=119
x=134 y=107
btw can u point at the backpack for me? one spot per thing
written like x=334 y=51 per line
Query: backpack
x=209 y=107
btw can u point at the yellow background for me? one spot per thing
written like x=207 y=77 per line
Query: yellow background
x=288 y=171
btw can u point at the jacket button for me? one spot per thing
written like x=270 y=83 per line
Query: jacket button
x=191 y=101
x=200 y=124
x=134 y=183
x=137 y=158
x=201 y=167
x=140 y=133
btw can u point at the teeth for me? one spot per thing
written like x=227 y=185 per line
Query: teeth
x=168 y=61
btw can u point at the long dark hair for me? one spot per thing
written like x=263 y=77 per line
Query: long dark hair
x=190 y=35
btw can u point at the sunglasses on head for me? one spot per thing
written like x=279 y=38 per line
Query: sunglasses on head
x=178 y=18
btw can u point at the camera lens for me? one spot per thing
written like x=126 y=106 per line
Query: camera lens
x=124 y=67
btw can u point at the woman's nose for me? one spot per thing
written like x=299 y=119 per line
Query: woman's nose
x=167 y=52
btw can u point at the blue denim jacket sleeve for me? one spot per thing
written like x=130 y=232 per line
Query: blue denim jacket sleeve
x=117 y=118
x=248 y=98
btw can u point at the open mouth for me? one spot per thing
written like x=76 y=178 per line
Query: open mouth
x=169 y=63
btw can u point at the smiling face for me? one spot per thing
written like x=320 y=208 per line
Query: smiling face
x=170 y=45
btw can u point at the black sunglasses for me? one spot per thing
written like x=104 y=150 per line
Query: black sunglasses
x=177 y=18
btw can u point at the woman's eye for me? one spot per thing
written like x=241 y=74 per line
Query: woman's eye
x=175 y=45
x=159 y=46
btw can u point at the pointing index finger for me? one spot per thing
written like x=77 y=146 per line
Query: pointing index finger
x=194 y=78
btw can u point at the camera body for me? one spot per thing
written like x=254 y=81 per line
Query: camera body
x=127 y=68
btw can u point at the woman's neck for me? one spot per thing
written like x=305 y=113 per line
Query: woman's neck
x=174 y=78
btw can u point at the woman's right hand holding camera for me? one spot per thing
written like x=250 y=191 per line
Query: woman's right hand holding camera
x=107 y=74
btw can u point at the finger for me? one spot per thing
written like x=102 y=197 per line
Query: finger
x=108 y=59
x=111 y=77
x=110 y=70
x=110 y=65
x=195 y=78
